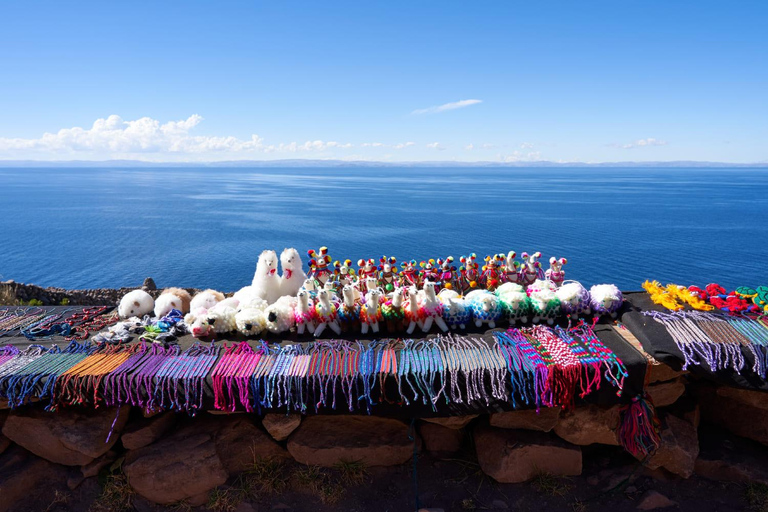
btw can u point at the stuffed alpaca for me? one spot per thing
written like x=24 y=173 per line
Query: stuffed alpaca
x=370 y=311
x=266 y=282
x=250 y=321
x=326 y=313
x=574 y=299
x=447 y=276
x=205 y=300
x=555 y=272
x=470 y=275
x=515 y=303
x=491 y=276
x=392 y=311
x=428 y=271
x=411 y=310
x=349 y=309
x=172 y=298
x=279 y=316
x=344 y=273
x=135 y=303
x=485 y=308
x=318 y=264
x=388 y=274
x=530 y=270
x=304 y=314
x=605 y=299
x=293 y=273
x=431 y=308
x=544 y=301
x=510 y=269
x=456 y=312
x=367 y=269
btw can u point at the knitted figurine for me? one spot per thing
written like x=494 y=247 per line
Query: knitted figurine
x=280 y=315
x=221 y=317
x=544 y=303
x=318 y=264
x=370 y=311
x=431 y=308
x=469 y=272
x=605 y=299
x=409 y=275
x=392 y=312
x=515 y=302
x=172 y=298
x=388 y=274
x=135 y=303
x=447 y=277
x=326 y=313
x=555 y=272
x=456 y=311
x=293 y=272
x=266 y=282
x=304 y=313
x=344 y=273
x=349 y=309
x=574 y=299
x=367 y=269
x=428 y=271
x=510 y=270
x=531 y=269
x=491 y=277
x=759 y=296
x=485 y=308
x=411 y=310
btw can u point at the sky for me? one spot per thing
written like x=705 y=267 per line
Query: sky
x=514 y=81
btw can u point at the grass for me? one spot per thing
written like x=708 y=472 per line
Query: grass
x=263 y=476
x=225 y=500
x=551 y=485
x=319 y=482
x=352 y=472
x=59 y=499
x=757 y=497
x=116 y=495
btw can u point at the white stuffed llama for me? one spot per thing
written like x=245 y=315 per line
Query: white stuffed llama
x=304 y=314
x=136 y=303
x=265 y=280
x=326 y=313
x=370 y=311
x=411 y=310
x=293 y=274
x=250 y=321
x=431 y=308
x=485 y=307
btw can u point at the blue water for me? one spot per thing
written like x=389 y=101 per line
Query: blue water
x=204 y=227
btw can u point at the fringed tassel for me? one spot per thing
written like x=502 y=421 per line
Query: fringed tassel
x=639 y=429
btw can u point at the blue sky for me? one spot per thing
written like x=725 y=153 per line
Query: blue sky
x=562 y=81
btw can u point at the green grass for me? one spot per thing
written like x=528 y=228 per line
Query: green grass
x=263 y=476
x=320 y=482
x=116 y=495
x=225 y=500
x=352 y=472
x=757 y=497
x=60 y=499
x=550 y=485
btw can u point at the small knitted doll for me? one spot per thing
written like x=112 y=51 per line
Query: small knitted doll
x=555 y=272
x=370 y=311
x=531 y=269
x=510 y=270
x=326 y=313
x=485 y=308
x=544 y=302
x=392 y=311
x=469 y=272
x=605 y=299
x=344 y=273
x=409 y=275
x=411 y=310
x=428 y=271
x=431 y=308
x=304 y=313
x=318 y=264
x=388 y=274
x=491 y=276
x=349 y=309
x=367 y=269
x=574 y=299
x=447 y=277
x=456 y=311
x=515 y=302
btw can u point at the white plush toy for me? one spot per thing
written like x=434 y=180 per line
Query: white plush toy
x=293 y=273
x=304 y=313
x=456 y=312
x=172 y=298
x=221 y=317
x=574 y=299
x=265 y=279
x=485 y=307
x=370 y=311
x=197 y=323
x=431 y=308
x=279 y=316
x=205 y=300
x=411 y=310
x=135 y=303
x=251 y=321
x=326 y=313
x=544 y=302
x=605 y=299
x=514 y=302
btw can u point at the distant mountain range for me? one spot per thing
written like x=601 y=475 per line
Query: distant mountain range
x=363 y=163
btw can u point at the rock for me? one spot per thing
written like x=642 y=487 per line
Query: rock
x=149 y=285
x=666 y=393
x=589 y=425
x=280 y=426
x=679 y=448
x=240 y=443
x=69 y=437
x=326 y=440
x=21 y=475
x=510 y=456
x=440 y=440
x=660 y=372
x=4 y=443
x=93 y=468
x=244 y=506
x=499 y=505
x=742 y=412
x=178 y=467
x=147 y=430
x=74 y=481
x=544 y=420
x=455 y=422
x=652 y=500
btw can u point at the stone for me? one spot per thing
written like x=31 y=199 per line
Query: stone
x=652 y=500
x=679 y=447
x=440 y=440
x=72 y=437
x=455 y=422
x=244 y=506
x=4 y=443
x=147 y=430
x=544 y=420
x=327 y=440
x=499 y=505
x=280 y=426
x=742 y=412
x=513 y=456
x=149 y=285
x=666 y=393
x=93 y=468
x=589 y=424
x=660 y=372
x=178 y=467
x=240 y=443
x=756 y=399
x=22 y=474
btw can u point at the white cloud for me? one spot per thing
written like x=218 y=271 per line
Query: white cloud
x=469 y=147
x=447 y=106
x=526 y=145
x=372 y=145
x=404 y=145
x=488 y=146
x=436 y=145
x=641 y=143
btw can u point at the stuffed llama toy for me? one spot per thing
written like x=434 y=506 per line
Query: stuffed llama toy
x=555 y=272
x=447 y=276
x=574 y=299
x=469 y=272
x=250 y=321
x=304 y=314
x=485 y=308
x=411 y=310
x=293 y=273
x=279 y=316
x=248 y=297
x=515 y=303
x=392 y=311
x=370 y=311
x=510 y=270
x=136 y=303
x=172 y=298
x=491 y=276
x=349 y=309
x=544 y=302
x=205 y=300
x=318 y=264
x=367 y=269
x=456 y=312
x=530 y=270
x=326 y=313
x=266 y=282
x=605 y=299
x=431 y=308
x=388 y=274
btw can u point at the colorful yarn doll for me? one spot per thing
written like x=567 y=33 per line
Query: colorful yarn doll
x=367 y=269
x=759 y=296
x=349 y=309
x=344 y=273
x=515 y=303
x=318 y=264
x=605 y=299
x=388 y=274
x=304 y=313
x=411 y=310
x=409 y=275
x=555 y=272
x=279 y=316
x=431 y=308
x=530 y=270
x=491 y=276
x=485 y=307
x=510 y=270
x=447 y=277
x=392 y=311
x=326 y=313
x=469 y=273
x=544 y=302
x=370 y=311
x=574 y=299
x=456 y=311
x=428 y=271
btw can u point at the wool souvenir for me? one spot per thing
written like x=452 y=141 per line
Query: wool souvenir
x=349 y=309
x=730 y=302
x=411 y=310
x=431 y=308
x=344 y=273
x=205 y=300
x=574 y=299
x=266 y=281
x=544 y=302
x=429 y=271
x=370 y=311
x=409 y=275
x=470 y=274
x=135 y=303
x=304 y=313
x=279 y=316
x=318 y=264
x=326 y=312
x=456 y=311
x=515 y=303
x=251 y=321
x=172 y=298
x=555 y=272
x=485 y=307
x=530 y=270
x=366 y=270
x=683 y=294
x=490 y=279
x=447 y=276
x=388 y=274
x=759 y=296
x=293 y=275
x=510 y=270
x=661 y=296
x=605 y=299
x=392 y=311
